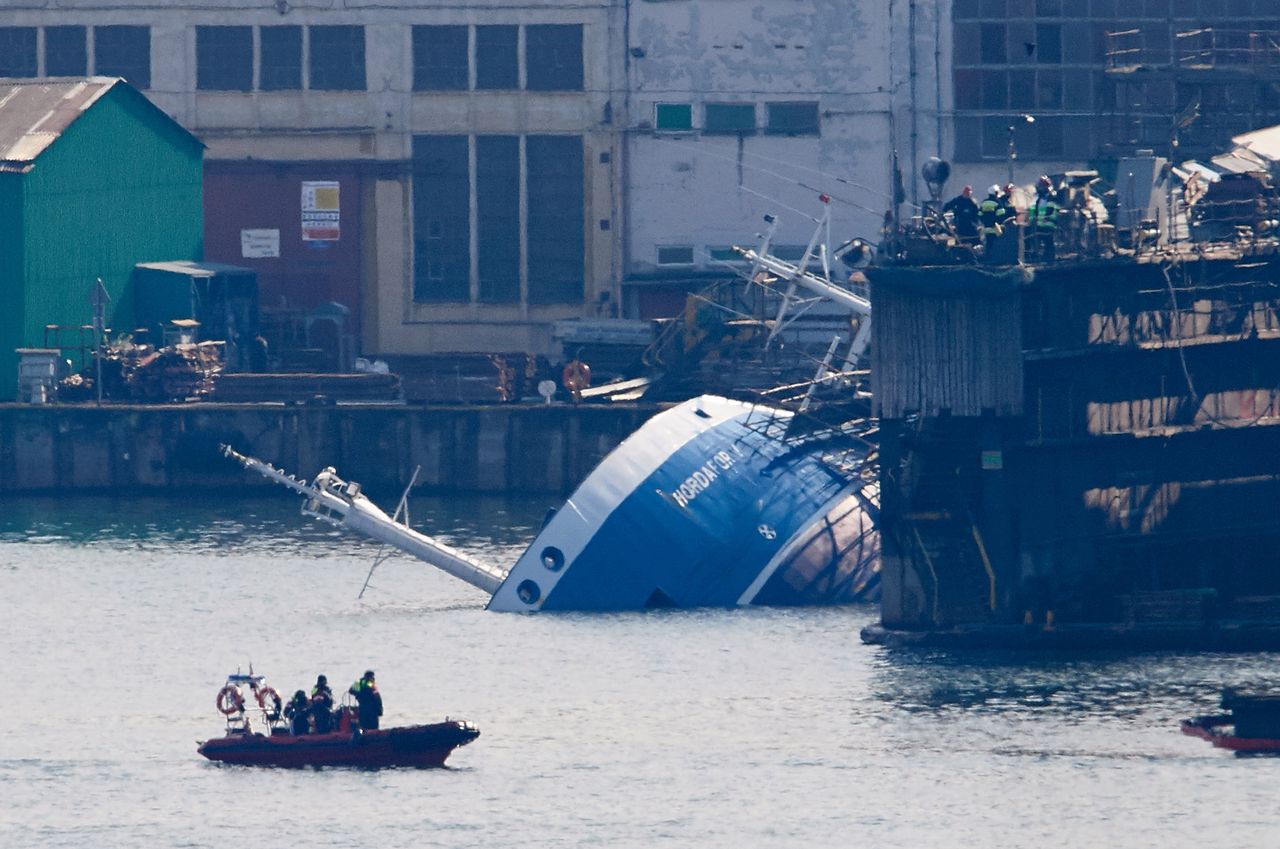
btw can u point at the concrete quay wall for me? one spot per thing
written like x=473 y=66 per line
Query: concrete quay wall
x=477 y=449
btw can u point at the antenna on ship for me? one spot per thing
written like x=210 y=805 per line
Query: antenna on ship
x=402 y=507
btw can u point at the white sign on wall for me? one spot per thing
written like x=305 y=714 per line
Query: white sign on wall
x=320 y=211
x=258 y=244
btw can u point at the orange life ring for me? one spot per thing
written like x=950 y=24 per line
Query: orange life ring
x=229 y=700
x=576 y=375
x=265 y=693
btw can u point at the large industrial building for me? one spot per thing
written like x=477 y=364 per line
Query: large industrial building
x=461 y=177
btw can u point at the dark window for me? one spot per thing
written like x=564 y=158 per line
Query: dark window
x=1053 y=8
x=995 y=90
x=497 y=65
x=281 y=58
x=1021 y=37
x=962 y=9
x=64 y=52
x=968 y=88
x=675 y=255
x=673 y=116
x=224 y=58
x=1022 y=89
x=1049 y=136
x=1077 y=138
x=440 y=58
x=121 y=51
x=993 y=44
x=968 y=139
x=992 y=8
x=995 y=135
x=553 y=57
x=1077 y=43
x=729 y=118
x=965 y=50
x=17 y=51
x=441 y=219
x=498 y=217
x=556 y=223
x=337 y=58
x=1076 y=93
x=1049 y=43
x=1049 y=90
x=792 y=119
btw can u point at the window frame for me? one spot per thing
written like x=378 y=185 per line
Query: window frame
x=354 y=60
x=436 y=51
x=777 y=108
x=275 y=75
x=684 y=126
x=551 y=66
x=715 y=127
x=213 y=44
x=141 y=75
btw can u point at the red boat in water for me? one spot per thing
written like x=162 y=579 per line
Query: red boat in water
x=1252 y=725
x=257 y=736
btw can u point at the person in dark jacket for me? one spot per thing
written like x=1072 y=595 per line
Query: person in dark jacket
x=298 y=712
x=322 y=705
x=964 y=211
x=369 y=700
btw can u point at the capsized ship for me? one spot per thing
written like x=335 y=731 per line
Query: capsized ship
x=714 y=502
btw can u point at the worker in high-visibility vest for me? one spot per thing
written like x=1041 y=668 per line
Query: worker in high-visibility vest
x=990 y=214
x=1043 y=217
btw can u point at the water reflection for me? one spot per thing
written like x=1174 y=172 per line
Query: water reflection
x=1068 y=687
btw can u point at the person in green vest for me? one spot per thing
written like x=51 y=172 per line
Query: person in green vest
x=369 y=701
x=1043 y=217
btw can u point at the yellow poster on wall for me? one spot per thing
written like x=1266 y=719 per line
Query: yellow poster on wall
x=320 y=211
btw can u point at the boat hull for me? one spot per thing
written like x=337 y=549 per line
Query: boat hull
x=1212 y=728
x=411 y=746
x=709 y=504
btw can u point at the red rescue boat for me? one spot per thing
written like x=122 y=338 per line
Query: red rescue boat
x=1251 y=726
x=257 y=736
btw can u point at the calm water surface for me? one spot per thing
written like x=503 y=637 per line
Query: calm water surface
x=770 y=728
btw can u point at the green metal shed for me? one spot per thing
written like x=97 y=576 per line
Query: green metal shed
x=94 y=179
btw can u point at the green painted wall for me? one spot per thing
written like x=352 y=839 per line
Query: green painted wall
x=12 y=292
x=122 y=185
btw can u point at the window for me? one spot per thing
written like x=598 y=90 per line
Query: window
x=224 y=58
x=17 y=51
x=123 y=51
x=448 y=195
x=64 y=52
x=673 y=116
x=337 y=58
x=498 y=218
x=675 y=255
x=553 y=57
x=280 y=58
x=792 y=119
x=556 y=224
x=993 y=44
x=1049 y=44
x=719 y=255
x=729 y=118
x=497 y=66
x=440 y=58
x=441 y=219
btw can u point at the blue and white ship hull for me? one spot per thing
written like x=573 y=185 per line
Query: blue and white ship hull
x=706 y=505
x=709 y=504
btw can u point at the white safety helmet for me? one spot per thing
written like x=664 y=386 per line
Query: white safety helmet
x=994 y=190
